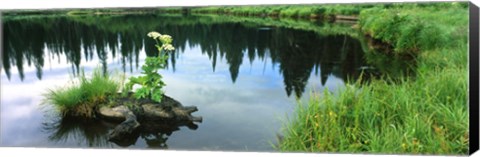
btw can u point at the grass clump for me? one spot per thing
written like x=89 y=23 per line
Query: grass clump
x=82 y=97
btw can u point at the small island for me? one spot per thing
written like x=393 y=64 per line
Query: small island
x=133 y=112
x=99 y=97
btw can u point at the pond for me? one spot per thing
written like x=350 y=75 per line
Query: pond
x=244 y=76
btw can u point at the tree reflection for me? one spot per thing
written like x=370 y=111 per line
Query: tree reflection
x=297 y=52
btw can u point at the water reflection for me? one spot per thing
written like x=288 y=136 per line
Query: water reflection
x=94 y=132
x=298 y=53
x=91 y=132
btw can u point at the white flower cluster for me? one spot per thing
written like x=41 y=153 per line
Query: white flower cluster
x=154 y=35
x=165 y=39
x=168 y=47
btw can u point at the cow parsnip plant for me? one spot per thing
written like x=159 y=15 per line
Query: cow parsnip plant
x=150 y=81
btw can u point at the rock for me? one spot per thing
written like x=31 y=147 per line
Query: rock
x=133 y=112
x=124 y=130
x=116 y=113
x=156 y=111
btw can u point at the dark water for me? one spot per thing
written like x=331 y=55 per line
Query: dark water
x=243 y=76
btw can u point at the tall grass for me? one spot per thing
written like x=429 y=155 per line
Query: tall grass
x=83 y=96
x=426 y=114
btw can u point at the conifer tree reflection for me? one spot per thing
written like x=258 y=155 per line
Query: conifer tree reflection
x=297 y=52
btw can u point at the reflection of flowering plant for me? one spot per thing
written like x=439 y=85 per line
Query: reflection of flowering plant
x=151 y=82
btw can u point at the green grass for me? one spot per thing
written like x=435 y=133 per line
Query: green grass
x=317 y=10
x=80 y=12
x=291 y=11
x=82 y=97
x=414 y=29
x=425 y=114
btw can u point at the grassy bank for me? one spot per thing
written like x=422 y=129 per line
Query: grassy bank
x=213 y=19
x=111 y=11
x=427 y=114
x=303 y=11
x=296 y=11
x=414 y=29
x=84 y=95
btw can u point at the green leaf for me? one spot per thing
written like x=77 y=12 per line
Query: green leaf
x=157 y=95
x=141 y=93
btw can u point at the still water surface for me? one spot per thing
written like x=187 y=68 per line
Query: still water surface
x=243 y=77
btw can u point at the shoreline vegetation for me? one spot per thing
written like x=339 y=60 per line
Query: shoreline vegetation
x=425 y=114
